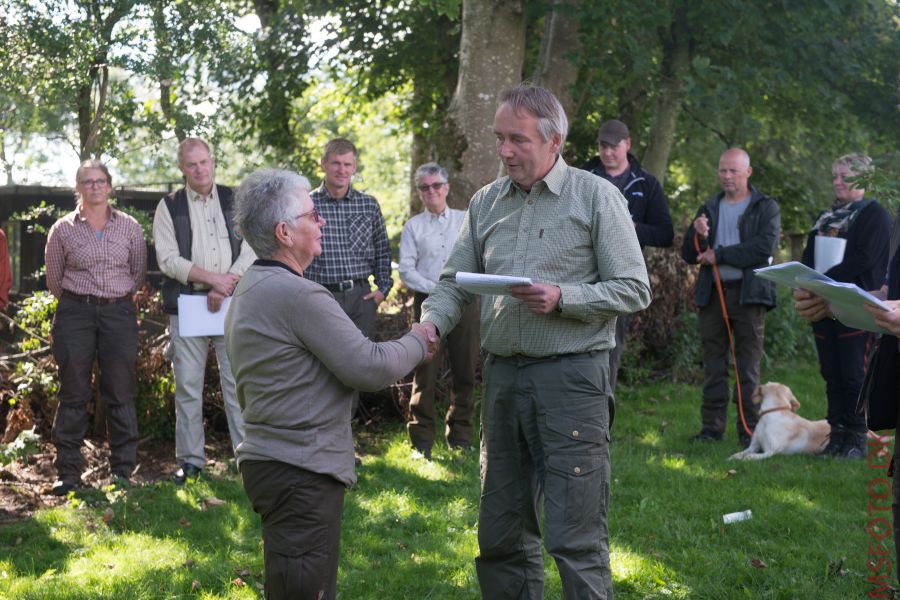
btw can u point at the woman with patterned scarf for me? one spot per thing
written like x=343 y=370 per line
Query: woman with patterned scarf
x=865 y=225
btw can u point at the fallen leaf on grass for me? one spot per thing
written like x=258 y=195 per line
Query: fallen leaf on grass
x=730 y=473
x=758 y=563
x=188 y=563
x=836 y=567
x=647 y=411
x=108 y=515
x=184 y=522
x=91 y=526
x=663 y=426
x=238 y=582
x=260 y=586
x=195 y=585
x=212 y=501
x=242 y=571
x=401 y=545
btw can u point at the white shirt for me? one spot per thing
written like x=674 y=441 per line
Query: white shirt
x=425 y=246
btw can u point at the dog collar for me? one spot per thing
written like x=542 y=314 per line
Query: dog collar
x=769 y=410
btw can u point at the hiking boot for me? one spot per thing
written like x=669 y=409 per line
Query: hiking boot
x=836 y=441
x=706 y=435
x=855 y=445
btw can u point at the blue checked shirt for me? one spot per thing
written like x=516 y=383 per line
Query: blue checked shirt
x=354 y=240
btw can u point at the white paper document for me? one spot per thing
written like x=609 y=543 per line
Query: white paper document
x=845 y=300
x=489 y=285
x=194 y=318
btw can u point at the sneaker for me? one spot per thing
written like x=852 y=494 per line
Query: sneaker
x=421 y=454
x=706 y=435
x=185 y=472
x=836 y=441
x=62 y=487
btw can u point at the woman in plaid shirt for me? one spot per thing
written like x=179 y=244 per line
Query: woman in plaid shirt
x=96 y=259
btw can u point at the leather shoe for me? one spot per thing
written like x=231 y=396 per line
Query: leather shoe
x=187 y=471
x=62 y=488
x=421 y=453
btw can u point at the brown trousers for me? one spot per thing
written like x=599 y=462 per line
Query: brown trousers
x=462 y=348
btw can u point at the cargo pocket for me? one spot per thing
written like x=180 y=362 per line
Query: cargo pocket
x=577 y=483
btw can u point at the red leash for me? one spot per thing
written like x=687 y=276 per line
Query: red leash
x=737 y=377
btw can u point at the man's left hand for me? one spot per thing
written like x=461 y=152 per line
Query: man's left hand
x=377 y=296
x=707 y=257
x=214 y=301
x=889 y=320
x=540 y=298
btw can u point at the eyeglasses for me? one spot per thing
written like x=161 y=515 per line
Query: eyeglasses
x=433 y=187
x=313 y=212
x=93 y=183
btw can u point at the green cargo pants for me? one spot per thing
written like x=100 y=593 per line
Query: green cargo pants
x=545 y=445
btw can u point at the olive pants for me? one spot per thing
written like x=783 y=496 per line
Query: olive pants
x=545 y=446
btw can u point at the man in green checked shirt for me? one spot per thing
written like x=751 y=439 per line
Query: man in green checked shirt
x=546 y=404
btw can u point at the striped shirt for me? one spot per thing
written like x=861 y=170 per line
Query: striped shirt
x=109 y=265
x=572 y=230
x=354 y=240
x=210 y=245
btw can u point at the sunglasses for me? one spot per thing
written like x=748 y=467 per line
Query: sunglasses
x=433 y=187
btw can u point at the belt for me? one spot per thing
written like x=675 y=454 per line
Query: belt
x=734 y=283
x=524 y=359
x=96 y=300
x=346 y=285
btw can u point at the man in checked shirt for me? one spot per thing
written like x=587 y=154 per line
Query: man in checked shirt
x=355 y=242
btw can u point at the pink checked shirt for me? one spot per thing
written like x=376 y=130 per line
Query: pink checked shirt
x=109 y=266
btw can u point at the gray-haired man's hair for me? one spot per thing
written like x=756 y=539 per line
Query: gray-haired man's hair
x=541 y=103
x=433 y=170
x=267 y=197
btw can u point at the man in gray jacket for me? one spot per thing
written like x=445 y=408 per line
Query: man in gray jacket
x=733 y=233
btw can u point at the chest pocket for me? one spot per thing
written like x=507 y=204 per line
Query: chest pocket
x=360 y=234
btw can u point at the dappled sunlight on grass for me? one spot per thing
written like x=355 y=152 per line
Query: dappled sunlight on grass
x=647 y=575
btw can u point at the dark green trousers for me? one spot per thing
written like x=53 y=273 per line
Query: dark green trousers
x=545 y=448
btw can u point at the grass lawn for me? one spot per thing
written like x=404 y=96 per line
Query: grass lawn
x=409 y=529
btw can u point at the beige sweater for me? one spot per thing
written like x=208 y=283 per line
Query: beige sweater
x=297 y=359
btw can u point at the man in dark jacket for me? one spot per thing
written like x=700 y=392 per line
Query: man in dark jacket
x=734 y=232
x=646 y=202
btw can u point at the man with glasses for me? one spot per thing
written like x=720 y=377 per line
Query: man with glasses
x=425 y=246
x=199 y=251
x=355 y=243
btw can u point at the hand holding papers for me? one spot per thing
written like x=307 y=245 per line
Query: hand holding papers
x=194 y=318
x=489 y=285
x=845 y=300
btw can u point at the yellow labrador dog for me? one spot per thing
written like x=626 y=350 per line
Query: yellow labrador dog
x=780 y=429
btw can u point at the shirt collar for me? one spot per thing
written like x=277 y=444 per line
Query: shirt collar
x=324 y=190
x=79 y=216
x=193 y=195
x=553 y=180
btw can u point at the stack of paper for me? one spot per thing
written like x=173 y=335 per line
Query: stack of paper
x=845 y=300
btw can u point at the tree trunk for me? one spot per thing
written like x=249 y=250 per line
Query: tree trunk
x=676 y=63
x=165 y=71
x=557 y=68
x=491 y=53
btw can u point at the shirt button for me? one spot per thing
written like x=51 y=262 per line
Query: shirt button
x=577 y=470
x=531 y=202
x=575 y=433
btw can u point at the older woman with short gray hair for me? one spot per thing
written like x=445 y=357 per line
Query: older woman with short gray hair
x=297 y=360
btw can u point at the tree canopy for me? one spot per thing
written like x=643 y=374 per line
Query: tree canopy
x=795 y=83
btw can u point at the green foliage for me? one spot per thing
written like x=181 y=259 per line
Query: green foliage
x=788 y=338
x=39 y=218
x=35 y=319
x=25 y=444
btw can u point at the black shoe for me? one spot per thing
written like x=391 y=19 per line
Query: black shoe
x=855 y=445
x=421 y=453
x=62 y=488
x=836 y=442
x=187 y=471
x=706 y=436
x=744 y=439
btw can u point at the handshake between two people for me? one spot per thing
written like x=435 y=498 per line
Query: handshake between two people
x=429 y=334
